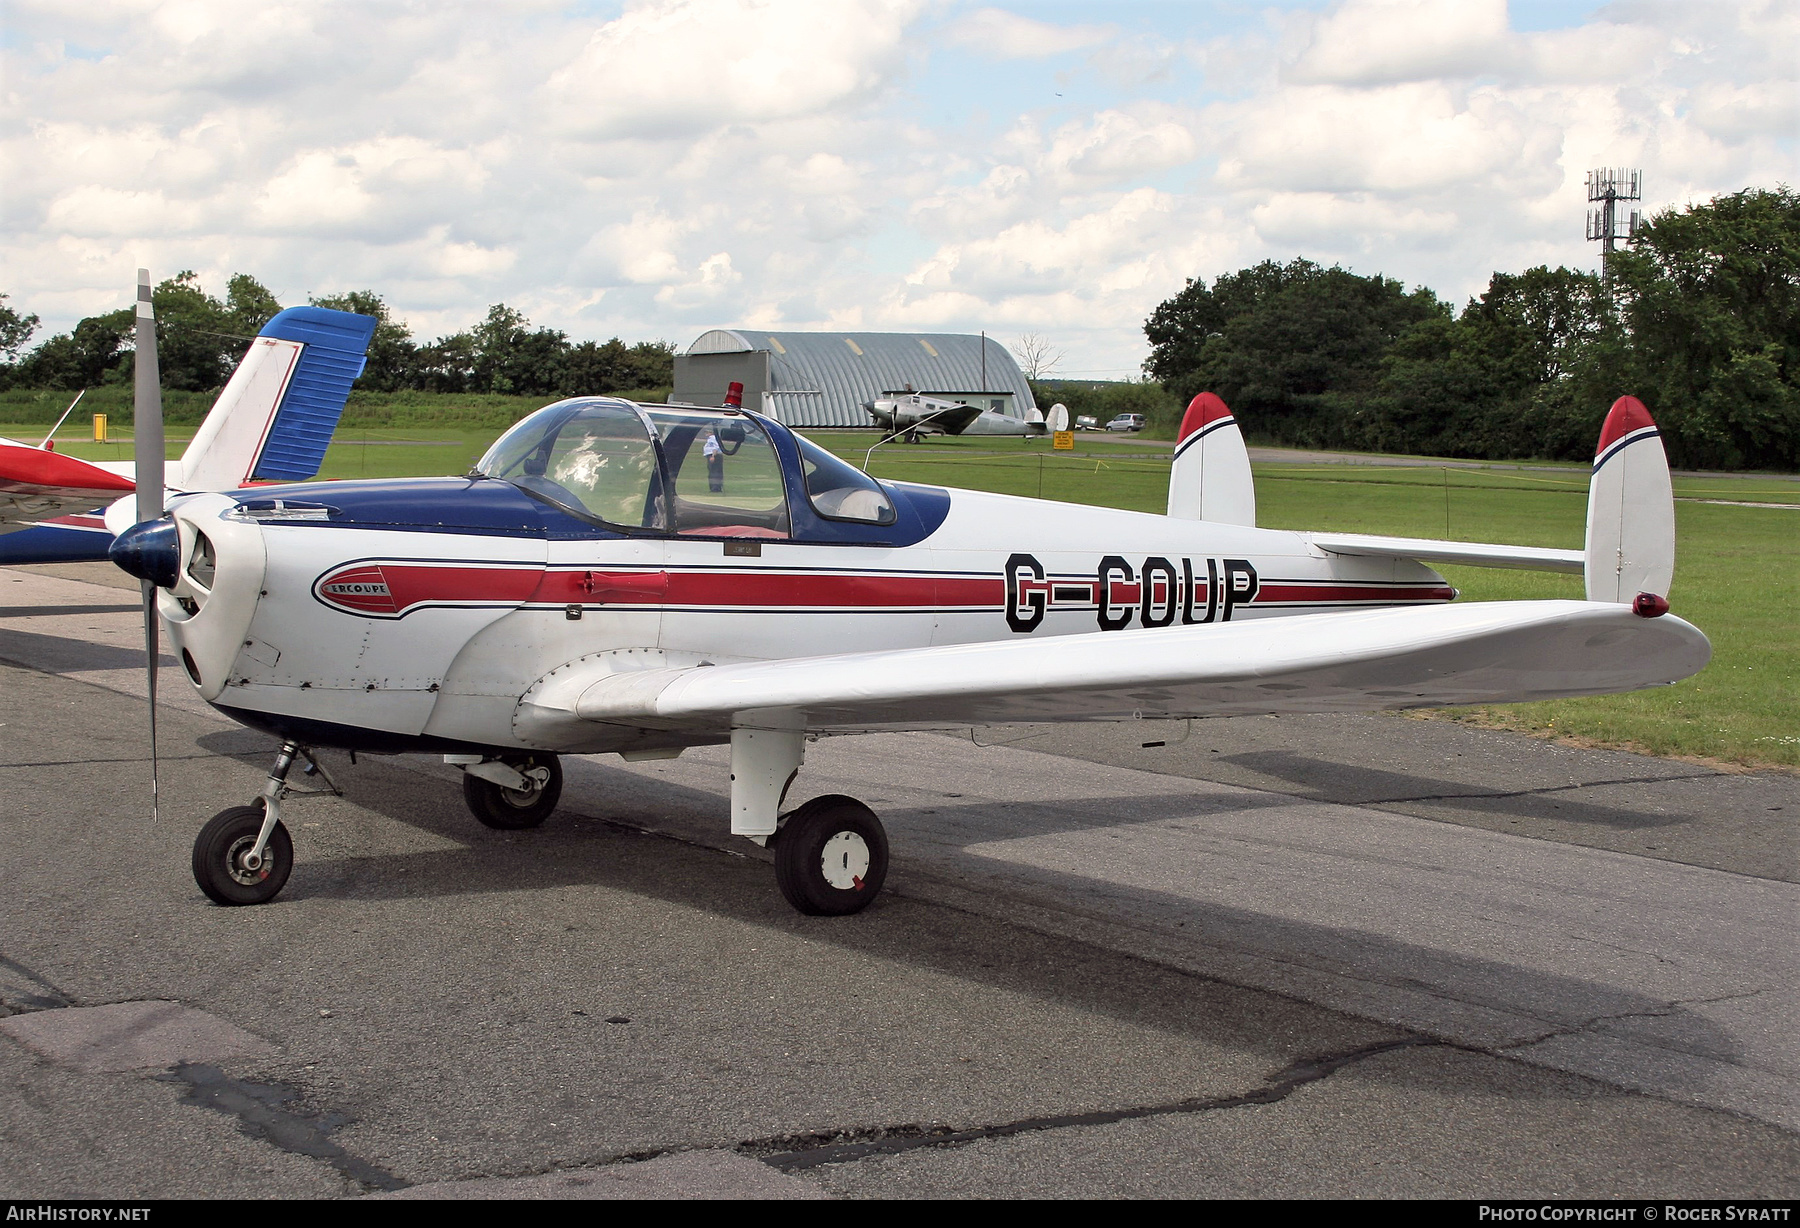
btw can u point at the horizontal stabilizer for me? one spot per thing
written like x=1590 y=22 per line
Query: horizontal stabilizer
x=1210 y=479
x=1631 y=509
x=1470 y=554
x=1354 y=661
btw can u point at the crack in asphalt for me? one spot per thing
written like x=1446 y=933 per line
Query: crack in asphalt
x=803 y=1151
x=260 y=1112
x=1594 y=1021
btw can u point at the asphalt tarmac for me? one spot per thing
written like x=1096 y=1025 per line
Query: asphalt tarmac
x=1301 y=957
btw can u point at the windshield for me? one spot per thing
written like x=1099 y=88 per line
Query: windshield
x=840 y=491
x=593 y=458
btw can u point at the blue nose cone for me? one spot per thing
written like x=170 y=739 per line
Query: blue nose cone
x=150 y=551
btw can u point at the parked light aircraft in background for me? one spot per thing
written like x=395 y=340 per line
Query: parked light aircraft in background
x=915 y=415
x=272 y=422
x=595 y=585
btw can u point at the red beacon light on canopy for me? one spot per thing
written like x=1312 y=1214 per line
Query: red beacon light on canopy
x=734 y=395
x=1649 y=605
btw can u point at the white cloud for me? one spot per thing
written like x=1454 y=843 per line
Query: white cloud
x=668 y=68
x=1380 y=42
x=1008 y=36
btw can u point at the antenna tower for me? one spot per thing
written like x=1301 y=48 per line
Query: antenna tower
x=1607 y=188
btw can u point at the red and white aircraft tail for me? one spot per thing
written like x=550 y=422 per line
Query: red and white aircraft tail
x=1629 y=558
x=1631 y=509
x=1211 y=476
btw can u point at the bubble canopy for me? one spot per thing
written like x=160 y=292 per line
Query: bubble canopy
x=675 y=470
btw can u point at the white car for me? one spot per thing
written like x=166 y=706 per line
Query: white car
x=1126 y=422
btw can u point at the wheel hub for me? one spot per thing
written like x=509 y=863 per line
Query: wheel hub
x=844 y=861
x=239 y=864
x=535 y=780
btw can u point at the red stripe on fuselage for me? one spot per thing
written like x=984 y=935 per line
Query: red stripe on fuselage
x=391 y=589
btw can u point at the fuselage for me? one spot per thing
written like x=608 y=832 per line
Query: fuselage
x=416 y=614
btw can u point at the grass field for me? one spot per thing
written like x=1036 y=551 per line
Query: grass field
x=1737 y=569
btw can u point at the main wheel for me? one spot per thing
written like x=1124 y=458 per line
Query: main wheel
x=516 y=809
x=831 y=856
x=220 y=852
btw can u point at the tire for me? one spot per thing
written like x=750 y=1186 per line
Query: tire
x=506 y=809
x=831 y=857
x=218 y=853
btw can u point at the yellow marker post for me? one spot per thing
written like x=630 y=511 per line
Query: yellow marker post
x=1063 y=441
x=99 y=428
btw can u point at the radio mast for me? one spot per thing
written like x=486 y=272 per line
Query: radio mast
x=1608 y=187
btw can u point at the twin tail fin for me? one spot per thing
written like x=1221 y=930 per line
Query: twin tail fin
x=1630 y=546
x=1211 y=479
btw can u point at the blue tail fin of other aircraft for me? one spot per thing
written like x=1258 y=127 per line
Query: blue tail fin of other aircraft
x=334 y=356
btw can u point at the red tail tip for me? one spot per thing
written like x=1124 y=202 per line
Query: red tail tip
x=1627 y=415
x=1649 y=605
x=1202 y=410
x=734 y=395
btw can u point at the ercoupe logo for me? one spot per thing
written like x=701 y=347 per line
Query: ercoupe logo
x=1155 y=593
x=360 y=589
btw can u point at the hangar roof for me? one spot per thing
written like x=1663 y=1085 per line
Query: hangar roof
x=820 y=378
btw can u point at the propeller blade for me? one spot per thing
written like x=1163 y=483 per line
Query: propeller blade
x=152 y=649
x=146 y=408
x=147 y=430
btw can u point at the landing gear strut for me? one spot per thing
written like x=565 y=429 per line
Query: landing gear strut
x=244 y=855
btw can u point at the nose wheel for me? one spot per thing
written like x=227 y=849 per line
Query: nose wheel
x=227 y=866
x=526 y=802
x=831 y=856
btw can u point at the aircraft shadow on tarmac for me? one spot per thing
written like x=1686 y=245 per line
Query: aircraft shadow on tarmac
x=59 y=654
x=627 y=832
x=1351 y=785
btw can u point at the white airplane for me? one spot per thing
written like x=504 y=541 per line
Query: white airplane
x=271 y=423
x=915 y=415
x=594 y=585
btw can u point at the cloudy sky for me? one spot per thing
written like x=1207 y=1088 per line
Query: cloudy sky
x=654 y=168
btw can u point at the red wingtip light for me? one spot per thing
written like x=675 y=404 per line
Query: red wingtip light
x=1649 y=605
x=734 y=395
x=1626 y=415
x=49 y=445
x=1204 y=409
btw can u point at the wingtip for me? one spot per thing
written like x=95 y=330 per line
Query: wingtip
x=1203 y=410
x=1627 y=415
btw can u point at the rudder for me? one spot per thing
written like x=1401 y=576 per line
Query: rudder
x=1210 y=478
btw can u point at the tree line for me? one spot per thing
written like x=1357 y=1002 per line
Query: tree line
x=1699 y=317
x=200 y=339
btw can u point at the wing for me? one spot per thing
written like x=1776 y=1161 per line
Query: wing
x=37 y=484
x=1355 y=661
x=1473 y=554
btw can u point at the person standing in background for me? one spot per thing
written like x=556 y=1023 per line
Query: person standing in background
x=715 y=463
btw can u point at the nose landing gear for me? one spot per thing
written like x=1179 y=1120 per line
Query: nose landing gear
x=244 y=855
x=223 y=862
